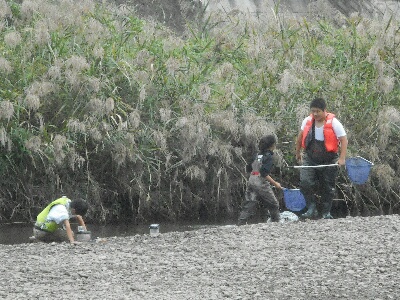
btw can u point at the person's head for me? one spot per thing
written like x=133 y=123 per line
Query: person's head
x=267 y=142
x=318 y=109
x=79 y=207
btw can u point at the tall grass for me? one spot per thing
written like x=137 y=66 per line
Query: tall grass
x=99 y=104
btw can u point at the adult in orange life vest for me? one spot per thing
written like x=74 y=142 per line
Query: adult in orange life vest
x=323 y=141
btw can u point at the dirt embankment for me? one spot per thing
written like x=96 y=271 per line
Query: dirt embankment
x=171 y=13
x=350 y=258
x=370 y=8
x=176 y=13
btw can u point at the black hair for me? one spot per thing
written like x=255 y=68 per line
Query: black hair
x=266 y=142
x=318 y=103
x=80 y=206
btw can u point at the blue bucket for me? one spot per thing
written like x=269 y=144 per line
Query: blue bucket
x=294 y=199
x=358 y=169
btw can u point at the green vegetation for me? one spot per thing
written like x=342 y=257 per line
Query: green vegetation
x=98 y=104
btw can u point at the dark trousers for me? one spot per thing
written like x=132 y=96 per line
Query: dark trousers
x=321 y=179
x=259 y=190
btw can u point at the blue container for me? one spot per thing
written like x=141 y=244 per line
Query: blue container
x=358 y=169
x=294 y=199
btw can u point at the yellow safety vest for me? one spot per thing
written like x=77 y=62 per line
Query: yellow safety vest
x=41 y=221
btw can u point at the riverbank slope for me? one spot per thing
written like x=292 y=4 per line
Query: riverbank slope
x=349 y=258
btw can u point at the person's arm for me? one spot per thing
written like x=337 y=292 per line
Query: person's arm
x=80 y=221
x=298 y=145
x=266 y=169
x=343 y=150
x=273 y=182
x=70 y=234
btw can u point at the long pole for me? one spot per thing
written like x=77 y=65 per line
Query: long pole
x=317 y=166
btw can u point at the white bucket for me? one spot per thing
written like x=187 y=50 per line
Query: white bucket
x=288 y=216
x=154 y=229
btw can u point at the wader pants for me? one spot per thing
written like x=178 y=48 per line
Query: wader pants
x=318 y=179
x=259 y=189
x=60 y=235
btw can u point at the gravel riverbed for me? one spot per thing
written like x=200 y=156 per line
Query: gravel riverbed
x=349 y=258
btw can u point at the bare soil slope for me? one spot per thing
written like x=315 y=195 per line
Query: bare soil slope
x=176 y=13
x=171 y=13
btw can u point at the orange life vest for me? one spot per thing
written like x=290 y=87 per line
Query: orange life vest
x=330 y=139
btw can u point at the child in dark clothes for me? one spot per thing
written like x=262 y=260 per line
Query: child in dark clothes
x=259 y=184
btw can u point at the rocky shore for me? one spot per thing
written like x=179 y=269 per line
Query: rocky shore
x=349 y=258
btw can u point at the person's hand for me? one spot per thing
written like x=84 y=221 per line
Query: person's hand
x=278 y=185
x=298 y=157
x=341 y=162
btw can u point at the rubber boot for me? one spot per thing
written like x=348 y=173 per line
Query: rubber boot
x=327 y=216
x=311 y=212
x=274 y=217
x=326 y=209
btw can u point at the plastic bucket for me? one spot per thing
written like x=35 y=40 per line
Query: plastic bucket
x=83 y=236
x=154 y=229
x=288 y=216
x=358 y=169
x=294 y=199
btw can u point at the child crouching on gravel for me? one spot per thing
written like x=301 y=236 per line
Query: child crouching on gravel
x=52 y=224
x=260 y=181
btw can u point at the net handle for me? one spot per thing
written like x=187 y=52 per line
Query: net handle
x=331 y=165
x=370 y=162
x=317 y=166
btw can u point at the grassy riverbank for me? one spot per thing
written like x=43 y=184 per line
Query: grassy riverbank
x=97 y=103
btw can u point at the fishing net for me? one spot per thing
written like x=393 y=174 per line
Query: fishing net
x=358 y=169
x=294 y=199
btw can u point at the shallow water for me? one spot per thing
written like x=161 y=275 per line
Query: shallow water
x=18 y=233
